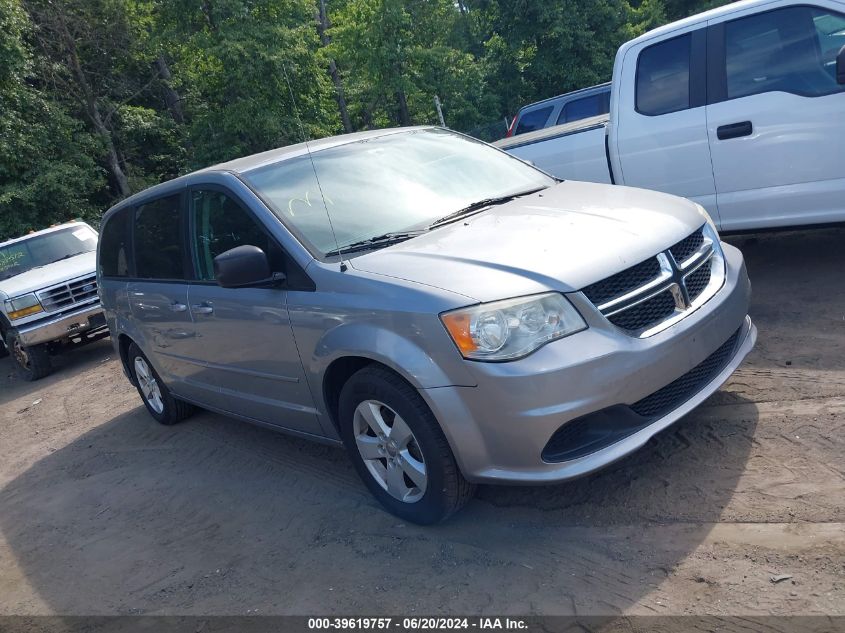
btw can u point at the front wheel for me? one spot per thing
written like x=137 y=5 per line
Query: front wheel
x=160 y=403
x=33 y=362
x=398 y=448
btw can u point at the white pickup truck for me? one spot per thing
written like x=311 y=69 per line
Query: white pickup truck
x=48 y=296
x=741 y=109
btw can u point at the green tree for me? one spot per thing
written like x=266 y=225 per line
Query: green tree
x=248 y=73
x=48 y=170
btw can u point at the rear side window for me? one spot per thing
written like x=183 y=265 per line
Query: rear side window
x=533 y=120
x=787 y=50
x=663 y=77
x=114 y=245
x=584 y=108
x=158 y=244
x=221 y=224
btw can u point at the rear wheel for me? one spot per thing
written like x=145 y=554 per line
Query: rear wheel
x=398 y=448
x=160 y=403
x=33 y=362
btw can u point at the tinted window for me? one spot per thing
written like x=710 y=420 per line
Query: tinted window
x=221 y=224
x=789 y=50
x=533 y=120
x=114 y=245
x=663 y=77
x=585 y=107
x=159 y=253
x=44 y=249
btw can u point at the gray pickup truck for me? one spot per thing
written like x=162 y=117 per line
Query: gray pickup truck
x=48 y=296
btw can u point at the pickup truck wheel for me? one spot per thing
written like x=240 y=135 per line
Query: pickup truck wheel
x=4 y=350
x=32 y=363
x=160 y=403
x=398 y=448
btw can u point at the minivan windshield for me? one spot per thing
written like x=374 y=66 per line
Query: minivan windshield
x=396 y=183
x=40 y=250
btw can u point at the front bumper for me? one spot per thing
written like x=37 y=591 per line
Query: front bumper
x=85 y=322
x=499 y=429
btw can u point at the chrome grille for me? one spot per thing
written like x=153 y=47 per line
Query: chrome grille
x=697 y=281
x=623 y=282
x=688 y=246
x=659 y=307
x=647 y=297
x=67 y=295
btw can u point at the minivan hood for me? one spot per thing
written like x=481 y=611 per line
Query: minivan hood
x=562 y=238
x=49 y=275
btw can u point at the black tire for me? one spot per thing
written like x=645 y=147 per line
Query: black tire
x=32 y=363
x=446 y=490
x=4 y=349
x=173 y=409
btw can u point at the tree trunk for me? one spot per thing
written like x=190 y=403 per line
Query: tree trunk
x=323 y=26
x=171 y=97
x=404 y=115
x=93 y=111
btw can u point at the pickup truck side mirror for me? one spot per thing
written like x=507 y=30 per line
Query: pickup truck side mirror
x=244 y=266
x=840 y=66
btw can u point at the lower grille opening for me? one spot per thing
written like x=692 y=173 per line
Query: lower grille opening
x=598 y=430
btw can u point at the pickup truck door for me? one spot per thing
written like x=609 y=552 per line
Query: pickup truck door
x=776 y=116
x=661 y=143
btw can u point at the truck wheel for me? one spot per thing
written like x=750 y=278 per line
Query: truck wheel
x=32 y=363
x=4 y=350
x=398 y=448
x=154 y=393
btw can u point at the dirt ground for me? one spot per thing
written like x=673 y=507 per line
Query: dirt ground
x=103 y=511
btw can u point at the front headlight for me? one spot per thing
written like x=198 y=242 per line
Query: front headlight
x=511 y=329
x=22 y=306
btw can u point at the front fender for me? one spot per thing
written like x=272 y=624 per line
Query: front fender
x=404 y=354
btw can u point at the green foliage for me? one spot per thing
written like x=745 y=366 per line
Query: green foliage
x=47 y=170
x=101 y=98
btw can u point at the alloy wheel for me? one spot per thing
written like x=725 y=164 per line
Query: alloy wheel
x=148 y=385
x=390 y=451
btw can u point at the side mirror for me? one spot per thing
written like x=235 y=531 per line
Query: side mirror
x=244 y=266
x=840 y=67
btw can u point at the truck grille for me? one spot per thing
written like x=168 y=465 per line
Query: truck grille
x=67 y=295
x=645 y=298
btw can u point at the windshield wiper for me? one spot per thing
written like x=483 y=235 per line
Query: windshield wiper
x=482 y=204
x=379 y=241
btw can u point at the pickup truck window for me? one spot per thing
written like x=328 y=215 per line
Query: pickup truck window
x=787 y=50
x=158 y=247
x=586 y=107
x=663 y=77
x=534 y=120
x=114 y=245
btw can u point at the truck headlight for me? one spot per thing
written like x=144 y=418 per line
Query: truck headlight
x=513 y=328
x=22 y=306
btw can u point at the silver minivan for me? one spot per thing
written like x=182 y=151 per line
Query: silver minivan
x=447 y=312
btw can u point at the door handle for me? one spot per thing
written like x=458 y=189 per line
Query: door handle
x=178 y=307
x=734 y=130
x=202 y=308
